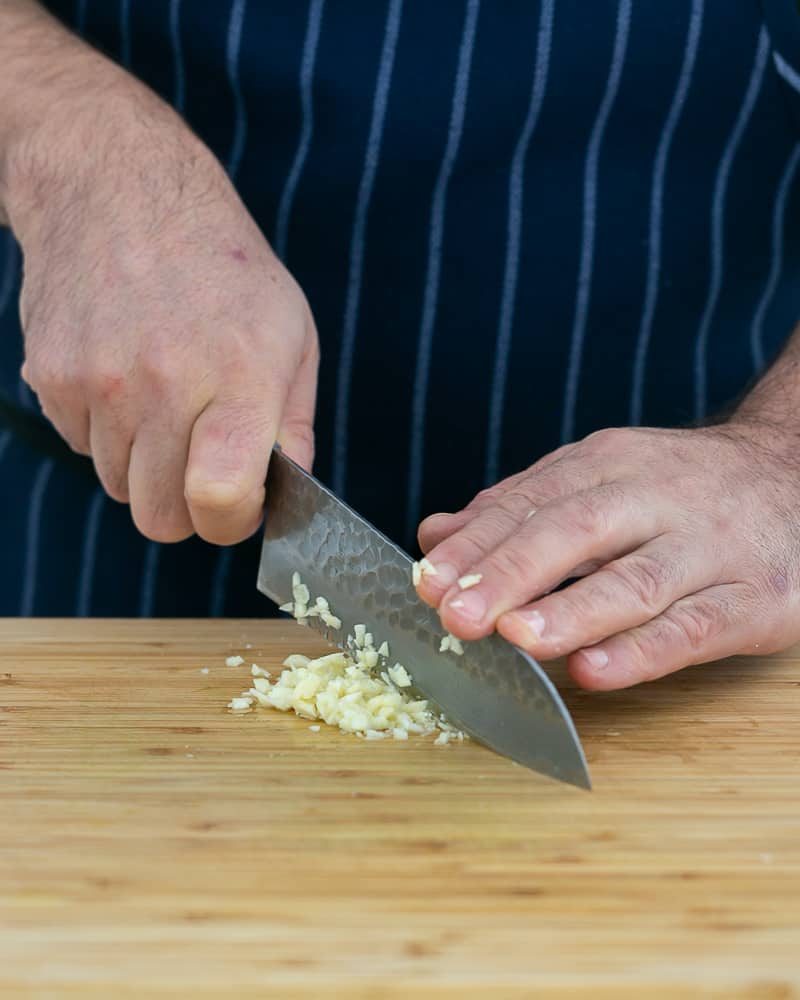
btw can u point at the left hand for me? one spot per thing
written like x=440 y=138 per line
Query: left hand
x=685 y=543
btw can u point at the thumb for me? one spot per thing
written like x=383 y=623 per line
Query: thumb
x=227 y=464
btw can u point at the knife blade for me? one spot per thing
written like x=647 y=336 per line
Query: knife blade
x=495 y=692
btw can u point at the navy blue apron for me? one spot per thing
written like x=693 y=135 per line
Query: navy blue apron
x=516 y=223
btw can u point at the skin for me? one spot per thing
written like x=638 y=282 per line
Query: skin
x=162 y=335
x=683 y=546
x=165 y=340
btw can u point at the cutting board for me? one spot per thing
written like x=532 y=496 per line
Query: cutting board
x=153 y=844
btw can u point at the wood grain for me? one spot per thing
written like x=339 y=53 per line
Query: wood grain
x=152 y=844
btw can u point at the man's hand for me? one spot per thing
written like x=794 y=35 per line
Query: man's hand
x=162 y=335
x=686 y=545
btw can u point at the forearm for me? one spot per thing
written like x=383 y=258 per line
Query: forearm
x=38 y=58
x=775 y=399
x=66 y=109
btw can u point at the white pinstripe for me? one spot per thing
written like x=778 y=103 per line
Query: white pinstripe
x=125 y=31
x=788 y=72
x=511 y=272
x=89 y=554
x=776 y=266
x=235 y=24
x=33 y=535
x=315 y=12
x=179 y=79
x=436 y=237
x=80 y=15
x=589 y=213
x=357 y=243
x=656 y=210
x=219 y=586
x=147 y=594
x=718 y=223
x=5 y=441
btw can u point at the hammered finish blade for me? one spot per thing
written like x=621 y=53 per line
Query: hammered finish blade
x=494 y=692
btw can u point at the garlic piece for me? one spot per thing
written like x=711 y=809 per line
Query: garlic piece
x=452 y=644
x=399 y=675
x=470 y=580
x=241 y=704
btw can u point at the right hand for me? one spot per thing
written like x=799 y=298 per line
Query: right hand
x=162 y=335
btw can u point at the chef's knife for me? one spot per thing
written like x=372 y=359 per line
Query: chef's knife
x=494 y=692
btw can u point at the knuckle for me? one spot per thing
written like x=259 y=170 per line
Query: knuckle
x=645 y=648
x=238 y=367
x=302 y=432
x=217 y=497
x=588 y=514
x=513 y=563
x=162 y=367
x=106 y=383
x=117 y=489
x=45 y=374
x=469 y=545
x=515 y=503
x=161 y=525
x=459 y=550
x=482 y=497
x=646 y=577
x=607 y=439
x=698 y=621
x=114 y=482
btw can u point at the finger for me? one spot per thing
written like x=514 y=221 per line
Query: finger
x=110 y=443
x=155 y=483
x=478 y=536
x=71 y=422
x=64 y=408
x=602 y=523
x=296 y=435
x=228 y=456
x=622 y=594
x=495 y=521
x=708 y=625
x=437 y=527
x=531 y=484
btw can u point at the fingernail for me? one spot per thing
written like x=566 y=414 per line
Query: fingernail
x=534 y=620
x=595 y=657
x=445 y=576
x=471 y=605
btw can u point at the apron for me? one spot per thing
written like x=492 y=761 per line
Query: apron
x=515 y=223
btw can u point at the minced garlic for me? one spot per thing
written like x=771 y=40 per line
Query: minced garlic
x=302 y=608
x=422 y=568
x=470 y=580
x=452 y=644
x=343 y=693
x=343 y=688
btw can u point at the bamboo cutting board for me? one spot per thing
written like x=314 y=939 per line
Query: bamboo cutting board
x=152 y=844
